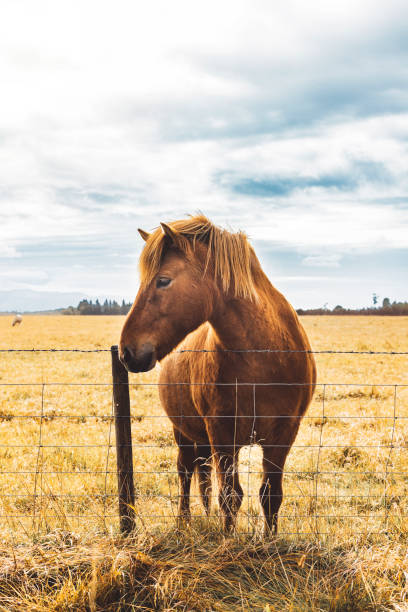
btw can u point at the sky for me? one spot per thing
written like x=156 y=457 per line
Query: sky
x=287 y=120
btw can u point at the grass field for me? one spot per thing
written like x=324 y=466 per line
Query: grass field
x=343 y=534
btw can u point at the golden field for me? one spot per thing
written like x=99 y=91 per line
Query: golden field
x=343 y=528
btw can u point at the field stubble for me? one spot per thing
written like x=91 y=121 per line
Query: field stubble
x=343 y=526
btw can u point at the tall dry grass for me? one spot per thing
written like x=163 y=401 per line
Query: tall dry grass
x=200 y=569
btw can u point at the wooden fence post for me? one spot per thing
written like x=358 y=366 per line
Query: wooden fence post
x=124 y=455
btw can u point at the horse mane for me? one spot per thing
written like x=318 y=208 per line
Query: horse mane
x=232 y=257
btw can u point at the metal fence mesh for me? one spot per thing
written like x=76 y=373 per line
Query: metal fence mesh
x=348 y=466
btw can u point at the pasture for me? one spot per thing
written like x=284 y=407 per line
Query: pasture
x=343 y=532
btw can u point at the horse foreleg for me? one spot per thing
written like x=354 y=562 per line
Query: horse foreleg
x=203 y=464
x=185 y=468
x=270 y=493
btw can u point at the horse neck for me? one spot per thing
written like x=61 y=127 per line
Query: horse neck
x=242 y=324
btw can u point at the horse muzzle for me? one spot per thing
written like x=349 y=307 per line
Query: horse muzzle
x=140 y=360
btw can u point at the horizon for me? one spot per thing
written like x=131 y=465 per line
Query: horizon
x=378 y=304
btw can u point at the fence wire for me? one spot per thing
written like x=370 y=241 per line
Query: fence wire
x=260 y=350
x=42 y=447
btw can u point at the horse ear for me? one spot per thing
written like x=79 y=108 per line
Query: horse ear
x=144 y=235
x=171 y=233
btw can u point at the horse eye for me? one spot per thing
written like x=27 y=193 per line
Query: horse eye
x=163 y=282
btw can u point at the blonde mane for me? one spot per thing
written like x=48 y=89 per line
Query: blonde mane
x=230 y=254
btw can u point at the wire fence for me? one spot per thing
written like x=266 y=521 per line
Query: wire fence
x=60 y=466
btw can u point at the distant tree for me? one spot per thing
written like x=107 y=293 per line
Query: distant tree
x=114 y=308
x=338 y=308
x=386 y=303
x=109 y=307
x=85 y=307
x=124 y=309
x=70 y=311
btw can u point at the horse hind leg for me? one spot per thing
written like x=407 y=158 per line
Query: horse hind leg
x=231 y=493
x=225 y=453
x=203 y=465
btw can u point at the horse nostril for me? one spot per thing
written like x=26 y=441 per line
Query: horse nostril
x=127 y=354
x=139 y=359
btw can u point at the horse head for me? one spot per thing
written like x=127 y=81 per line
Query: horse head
x=175 y=297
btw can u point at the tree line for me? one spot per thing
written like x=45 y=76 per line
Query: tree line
x=387 y=308
x=109 y=307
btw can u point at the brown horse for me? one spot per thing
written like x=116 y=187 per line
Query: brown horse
x=203 y=287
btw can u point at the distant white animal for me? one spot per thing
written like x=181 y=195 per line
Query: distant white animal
x=17 y=320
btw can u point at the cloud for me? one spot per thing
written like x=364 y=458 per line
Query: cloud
x=8 y=251
x=322 y=261
x=360 y=172
x=308 y=279
x=287 y=120
x=283 y=186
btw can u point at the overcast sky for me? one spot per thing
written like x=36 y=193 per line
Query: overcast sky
x=288 y=120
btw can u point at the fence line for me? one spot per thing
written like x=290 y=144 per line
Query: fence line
x=388 y=500
x=263 y=350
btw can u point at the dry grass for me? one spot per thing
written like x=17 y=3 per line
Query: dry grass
x=343 y=536
x=200 y=570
